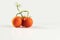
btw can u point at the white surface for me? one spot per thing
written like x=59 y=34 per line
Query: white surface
x=10 y=33
x=46 y=16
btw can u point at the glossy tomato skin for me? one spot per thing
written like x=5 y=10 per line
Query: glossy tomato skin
x=27 y=22
x=17 y=21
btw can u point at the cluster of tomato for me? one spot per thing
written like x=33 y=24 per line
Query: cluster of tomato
x=22 y=21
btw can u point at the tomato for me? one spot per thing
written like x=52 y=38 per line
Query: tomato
x=17 y=21
x=27 y=22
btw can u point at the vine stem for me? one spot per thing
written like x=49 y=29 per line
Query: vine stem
x=25 y=11
x=18 y=9
x=17 y=5
x=22 y=12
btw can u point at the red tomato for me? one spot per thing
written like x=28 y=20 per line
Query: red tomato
x=17 y=21
x=27 y=22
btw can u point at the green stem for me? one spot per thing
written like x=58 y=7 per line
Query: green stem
x=25 y=11
x=17 y=5
x=21 y=11
x=18 y=9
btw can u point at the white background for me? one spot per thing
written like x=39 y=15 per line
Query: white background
x=45 y=13
x=46 y=16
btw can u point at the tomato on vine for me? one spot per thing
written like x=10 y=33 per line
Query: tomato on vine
x=24 y=21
